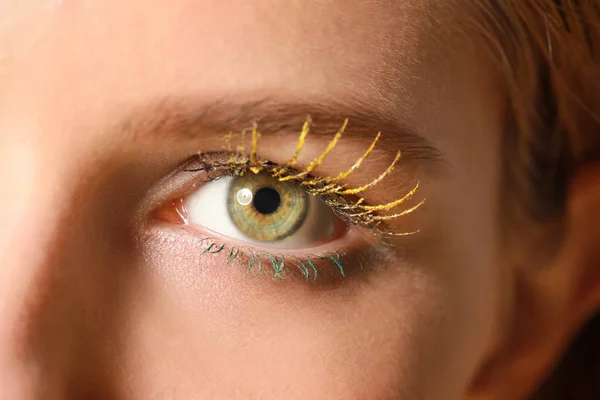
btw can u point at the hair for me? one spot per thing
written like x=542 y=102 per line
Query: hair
x=548 y=56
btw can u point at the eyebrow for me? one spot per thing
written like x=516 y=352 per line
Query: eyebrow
x=184 y=119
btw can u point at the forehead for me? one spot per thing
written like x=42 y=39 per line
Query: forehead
x=99 y=49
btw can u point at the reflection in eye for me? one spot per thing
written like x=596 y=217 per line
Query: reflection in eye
x=259 y=209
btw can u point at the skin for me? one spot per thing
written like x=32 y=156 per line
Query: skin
x=99 y=300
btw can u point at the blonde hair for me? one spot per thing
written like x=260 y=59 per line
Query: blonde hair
x=548 y=55
x=547 y=52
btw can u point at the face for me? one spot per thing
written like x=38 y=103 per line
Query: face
x=124 y=273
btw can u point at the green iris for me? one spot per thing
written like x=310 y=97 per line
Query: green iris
x=265 y=209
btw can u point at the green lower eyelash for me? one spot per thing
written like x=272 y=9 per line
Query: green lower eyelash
x=279 y=265
x=344 y=200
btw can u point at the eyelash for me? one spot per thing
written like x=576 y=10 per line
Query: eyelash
x=308 y=266
x=330 y=189
x=342 y=200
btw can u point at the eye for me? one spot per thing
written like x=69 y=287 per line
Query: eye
x=261 y=210
x=252 y=205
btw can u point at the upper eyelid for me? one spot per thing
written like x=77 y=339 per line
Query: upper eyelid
x=185 y=120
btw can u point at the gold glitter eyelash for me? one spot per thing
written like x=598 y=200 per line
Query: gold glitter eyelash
x=331 y=189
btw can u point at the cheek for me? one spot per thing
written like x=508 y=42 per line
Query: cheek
x=213 y=331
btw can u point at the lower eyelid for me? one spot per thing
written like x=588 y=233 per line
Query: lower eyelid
x=327 y=264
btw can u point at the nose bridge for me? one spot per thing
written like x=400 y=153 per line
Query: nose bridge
x=24 y=238
x=33 y=226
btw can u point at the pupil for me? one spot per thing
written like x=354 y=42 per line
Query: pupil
x=267 y=200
